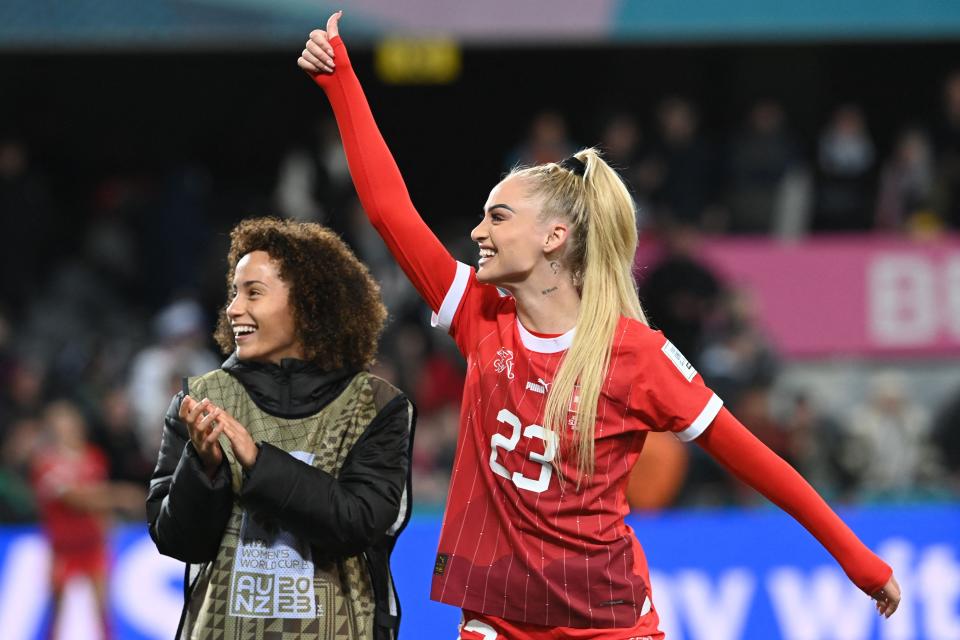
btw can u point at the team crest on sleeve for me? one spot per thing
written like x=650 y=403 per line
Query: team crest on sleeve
x=504 y=362
x=681 y=363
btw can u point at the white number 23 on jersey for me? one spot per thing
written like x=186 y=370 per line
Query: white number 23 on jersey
x=537 y=485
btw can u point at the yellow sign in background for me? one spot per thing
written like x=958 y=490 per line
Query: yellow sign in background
x=418 y=61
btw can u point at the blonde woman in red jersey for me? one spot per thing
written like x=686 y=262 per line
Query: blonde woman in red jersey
x=564 y=381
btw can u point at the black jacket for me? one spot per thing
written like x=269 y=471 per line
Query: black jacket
x=340 y=516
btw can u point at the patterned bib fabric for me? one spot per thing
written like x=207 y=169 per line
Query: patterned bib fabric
x=265 y=583
x=272 y=572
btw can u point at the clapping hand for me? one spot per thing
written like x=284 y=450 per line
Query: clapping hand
x=244 y=447
x=201 y=420
x=206 y=421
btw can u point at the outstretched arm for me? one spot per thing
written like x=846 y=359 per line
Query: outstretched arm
x=376 y=176
x=731 y=444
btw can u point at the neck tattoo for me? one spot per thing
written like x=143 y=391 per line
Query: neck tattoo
x=555 y=267
x=547 y=292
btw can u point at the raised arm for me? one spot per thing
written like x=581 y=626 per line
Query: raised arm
x=376 y=176
x=731 y=444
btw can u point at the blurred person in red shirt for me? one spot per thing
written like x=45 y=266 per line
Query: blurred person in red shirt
x=70 y=479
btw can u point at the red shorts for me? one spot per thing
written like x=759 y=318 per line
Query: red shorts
x=91 y=563
x=478 y=626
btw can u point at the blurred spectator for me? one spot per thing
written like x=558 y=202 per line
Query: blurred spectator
x=81 y=326
x=623 y=146
x=686 y=189
x=313 y=181
x=764 y=162
x=70 y=479
x=740 y=365
x=175 y=233
x=845 y=164
x=17 y=504
x=23 y=392
x=906 y=185
x=20 y=436
x=7 y=356
x=547 y=141
x=434 y=378
x=946 y=437
x=19 y=439
x=433 y=455
x=116 y=436
x=110 y=244
x=736 y=357
x=679 y=293
x=398 y=294
x=157 y=370
x=294 y=195
x=430 y=374
x=887 y=447
x=948 y=153
x=408 y=345
x=20 y=443
x=21 y=404
x=440 y=383
x=812 y=446
x=26 y=209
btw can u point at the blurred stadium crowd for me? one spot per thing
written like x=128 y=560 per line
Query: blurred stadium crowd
x=103 y=328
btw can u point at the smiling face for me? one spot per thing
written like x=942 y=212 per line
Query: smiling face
x=260 y=312
x=513 y=241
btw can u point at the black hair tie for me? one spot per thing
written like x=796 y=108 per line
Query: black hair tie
x=574 y=164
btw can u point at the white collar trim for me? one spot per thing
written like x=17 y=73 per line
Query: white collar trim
x=545 y=345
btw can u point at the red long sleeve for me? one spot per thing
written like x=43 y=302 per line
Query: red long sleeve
x=732 y=445
x=380 y=186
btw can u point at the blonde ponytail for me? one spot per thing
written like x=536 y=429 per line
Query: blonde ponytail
x=603 y=241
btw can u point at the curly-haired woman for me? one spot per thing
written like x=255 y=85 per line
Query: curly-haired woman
x=283 y=477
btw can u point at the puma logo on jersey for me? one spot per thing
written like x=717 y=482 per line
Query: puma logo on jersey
x=540 y=386
x=504 y=362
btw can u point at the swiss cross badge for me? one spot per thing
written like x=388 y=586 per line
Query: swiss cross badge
x=504 y=362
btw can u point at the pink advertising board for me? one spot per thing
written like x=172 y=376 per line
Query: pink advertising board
x=849 y=295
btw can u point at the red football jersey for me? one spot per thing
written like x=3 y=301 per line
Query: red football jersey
x=517 y=542
x=69 y=530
